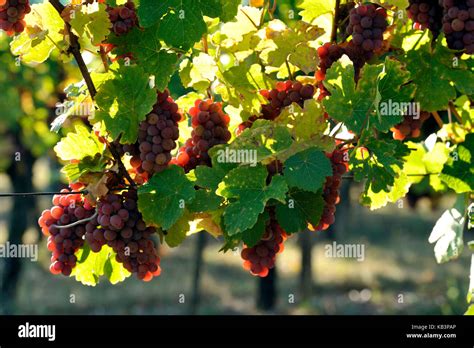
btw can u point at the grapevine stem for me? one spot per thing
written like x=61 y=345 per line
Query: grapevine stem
x=455 y=112
x=250 y=19
x=438 y=119
x=289 y=70
x=78 y=222
x=334 y=22
x=75 y=50
x=103 y=56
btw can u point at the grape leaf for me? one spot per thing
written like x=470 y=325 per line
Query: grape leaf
x=307 y=170
x=92 y=21
x=209 y=177
x=312 y=9
x=292 y=45
x=239 y=89
x=253 y=235
x=124 y=102
x=435 y=89
x=401 y=4
x=162 y=200
x=380 y=168
x=399 y=189
x=304 y=123
x=246 y=188
x=91 y=266
x=44 y=27
x=148 y=52
x=375 y=101
x=458 y=174
x=178 y=232
x=200 y=73
x=263 y=140
x=205 y=201
x=79 y=144
x=301 y=208
x=448 y=233
x=74 y=171
x=181 y=21
x=242 y=26
x=114 y=270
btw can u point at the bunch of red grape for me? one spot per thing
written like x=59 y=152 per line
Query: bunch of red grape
x=426 y=14
x=458 y=24
x=157 y=137
x=12 y=14
x=124 y=18
x=261 y=258
x=367 y=23
x=119 y=224
x=210 y=128
x=283 y=95
x=410 y=127
x=64 y=242
x=331 y=189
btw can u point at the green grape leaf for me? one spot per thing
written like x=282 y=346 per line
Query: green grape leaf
x=205 y=201
x=399 y=189
x=178 y=232
x=148 y=53
x=181 y=22
x=435 y=90
x=246 y=188
x=434 y=161
x=124 y=102
x=292 y=45
x=313 y=9
x=229 y=9
x=200 y=73
x=162 y=200
x=240 y=30
x=265 y=139
x=301 y=208
x=91 y=266
x=254 y=235
x=79 y=144
x=448 y=233
x=91 y=21
x=209 y=177
x=395 y=95
x=402 y=4
x=304 y=123
x=45 y=29
x=239 y=89
x=307 y=170
x=380 y=168
x=377 y=99
x=458 y=173
x=114 y=270
x=74 y=171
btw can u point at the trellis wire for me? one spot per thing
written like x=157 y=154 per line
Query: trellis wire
x=84 y=192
